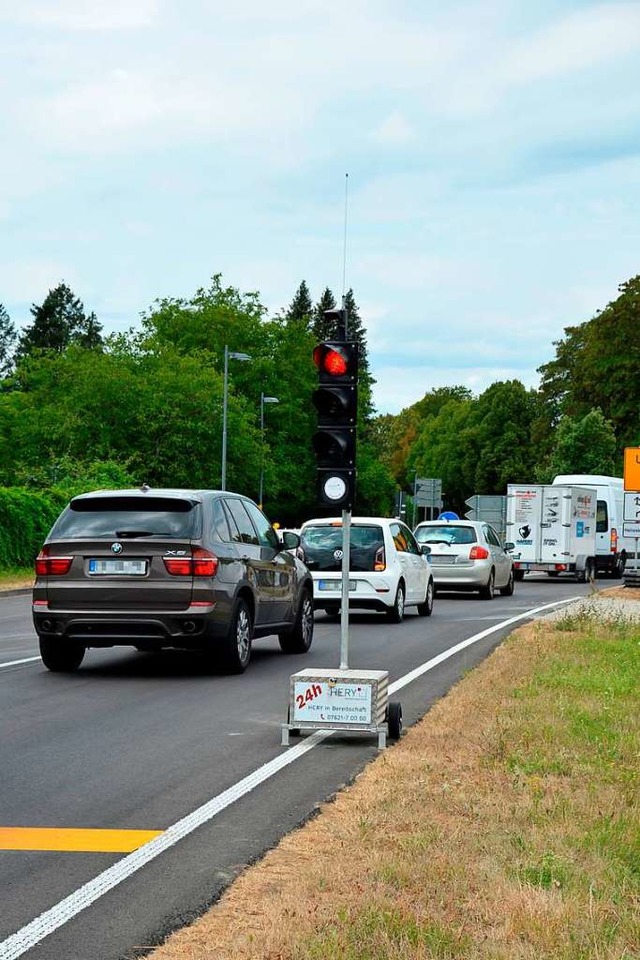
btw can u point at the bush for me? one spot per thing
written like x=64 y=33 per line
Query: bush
x=25 y=519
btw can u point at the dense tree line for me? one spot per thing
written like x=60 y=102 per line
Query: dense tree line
x=148 y=402
x=146 y=405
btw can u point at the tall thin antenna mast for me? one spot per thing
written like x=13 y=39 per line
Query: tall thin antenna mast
x=346 y=513
x=344 y=255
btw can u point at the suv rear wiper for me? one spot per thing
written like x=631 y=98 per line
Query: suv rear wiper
x=135 y=533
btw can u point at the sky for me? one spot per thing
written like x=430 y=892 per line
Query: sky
x=470 y=169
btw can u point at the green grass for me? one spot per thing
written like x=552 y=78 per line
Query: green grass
x=380 y=933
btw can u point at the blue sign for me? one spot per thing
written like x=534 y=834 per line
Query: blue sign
x=580 y=528
x=448 y=515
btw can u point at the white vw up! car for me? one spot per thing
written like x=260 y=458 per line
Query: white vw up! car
x=388 y=569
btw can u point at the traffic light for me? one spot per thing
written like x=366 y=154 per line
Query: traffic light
x=335 y=321
x=334 y=442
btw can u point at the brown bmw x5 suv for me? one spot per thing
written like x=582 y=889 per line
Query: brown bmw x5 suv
x=156 y=568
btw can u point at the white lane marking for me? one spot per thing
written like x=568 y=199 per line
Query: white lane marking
x=15 y=663
x=31 y=934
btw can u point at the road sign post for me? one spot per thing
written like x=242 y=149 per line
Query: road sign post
x=427 y=492
x=490 y=508
x=631 y=517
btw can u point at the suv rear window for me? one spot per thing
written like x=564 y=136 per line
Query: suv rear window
x=321 y=544
x=128 y=516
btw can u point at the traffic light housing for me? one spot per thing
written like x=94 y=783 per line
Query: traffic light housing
x=334 y=442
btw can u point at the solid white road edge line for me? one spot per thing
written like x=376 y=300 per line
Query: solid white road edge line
x=15 y=663
x=31 y=934
x=430 y=664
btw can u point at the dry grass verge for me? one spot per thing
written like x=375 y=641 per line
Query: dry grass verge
x=16 y=580
x=504 y=825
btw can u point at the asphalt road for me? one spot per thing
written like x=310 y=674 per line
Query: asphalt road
x=150 y=742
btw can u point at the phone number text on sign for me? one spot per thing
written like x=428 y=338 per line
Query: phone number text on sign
x=331 y=702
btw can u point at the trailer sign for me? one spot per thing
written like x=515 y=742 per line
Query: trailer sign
x=332 y=701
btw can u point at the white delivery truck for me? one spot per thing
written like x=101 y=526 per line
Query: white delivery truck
x=552 y=529
x=613 y=549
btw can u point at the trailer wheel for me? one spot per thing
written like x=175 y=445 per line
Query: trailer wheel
x=394 y=720
x=588 y=574
x=518 y=574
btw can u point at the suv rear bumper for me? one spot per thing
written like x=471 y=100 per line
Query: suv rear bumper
x=188 y=629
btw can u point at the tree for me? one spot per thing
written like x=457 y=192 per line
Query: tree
x=214 y=317
x=596 y=367
x=439 y=451
x=375 y=485
x=323 y=330
x=301 y=307
x=89 y=333
x=584 y=445
x=8 y=336
x=158 y=414
x=394 y=434
x=59 y=322
x=498 y=449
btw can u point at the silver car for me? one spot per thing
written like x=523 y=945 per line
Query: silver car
x=467 y=555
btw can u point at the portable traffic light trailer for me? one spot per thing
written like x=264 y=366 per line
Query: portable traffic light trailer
x=342 y=699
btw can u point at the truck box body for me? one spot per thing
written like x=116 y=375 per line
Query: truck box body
x=553 y=528
x=613 y=549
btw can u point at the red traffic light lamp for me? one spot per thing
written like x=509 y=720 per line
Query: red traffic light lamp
x=337 y=362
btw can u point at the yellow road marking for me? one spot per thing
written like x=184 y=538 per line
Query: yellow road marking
x=86 y=841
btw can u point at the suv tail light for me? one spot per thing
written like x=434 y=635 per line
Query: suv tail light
x=478 y=553
x=201 y=563
x=205 y=563
x=380 y=562
x=613 y=542
x=47 y=566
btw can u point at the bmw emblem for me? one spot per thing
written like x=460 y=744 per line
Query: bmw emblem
x=116 y=548
x=337 y=554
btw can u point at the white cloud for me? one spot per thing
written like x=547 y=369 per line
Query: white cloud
x=82 y=14
x=399 y=387
x=409 y=271
x=588 y=38
x=28 y=281
x=127 y=107
x=395 y=130
x=487 y=207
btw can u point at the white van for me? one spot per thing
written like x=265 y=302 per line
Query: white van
x=612 y=549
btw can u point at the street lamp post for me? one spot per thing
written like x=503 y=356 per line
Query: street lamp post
x=263 y=400
x=225 y=400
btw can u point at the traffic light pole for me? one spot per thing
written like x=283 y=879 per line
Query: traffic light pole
x=344 y=612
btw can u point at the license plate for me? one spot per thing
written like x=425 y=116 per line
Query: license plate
x=335 y=584
x=127 y=568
